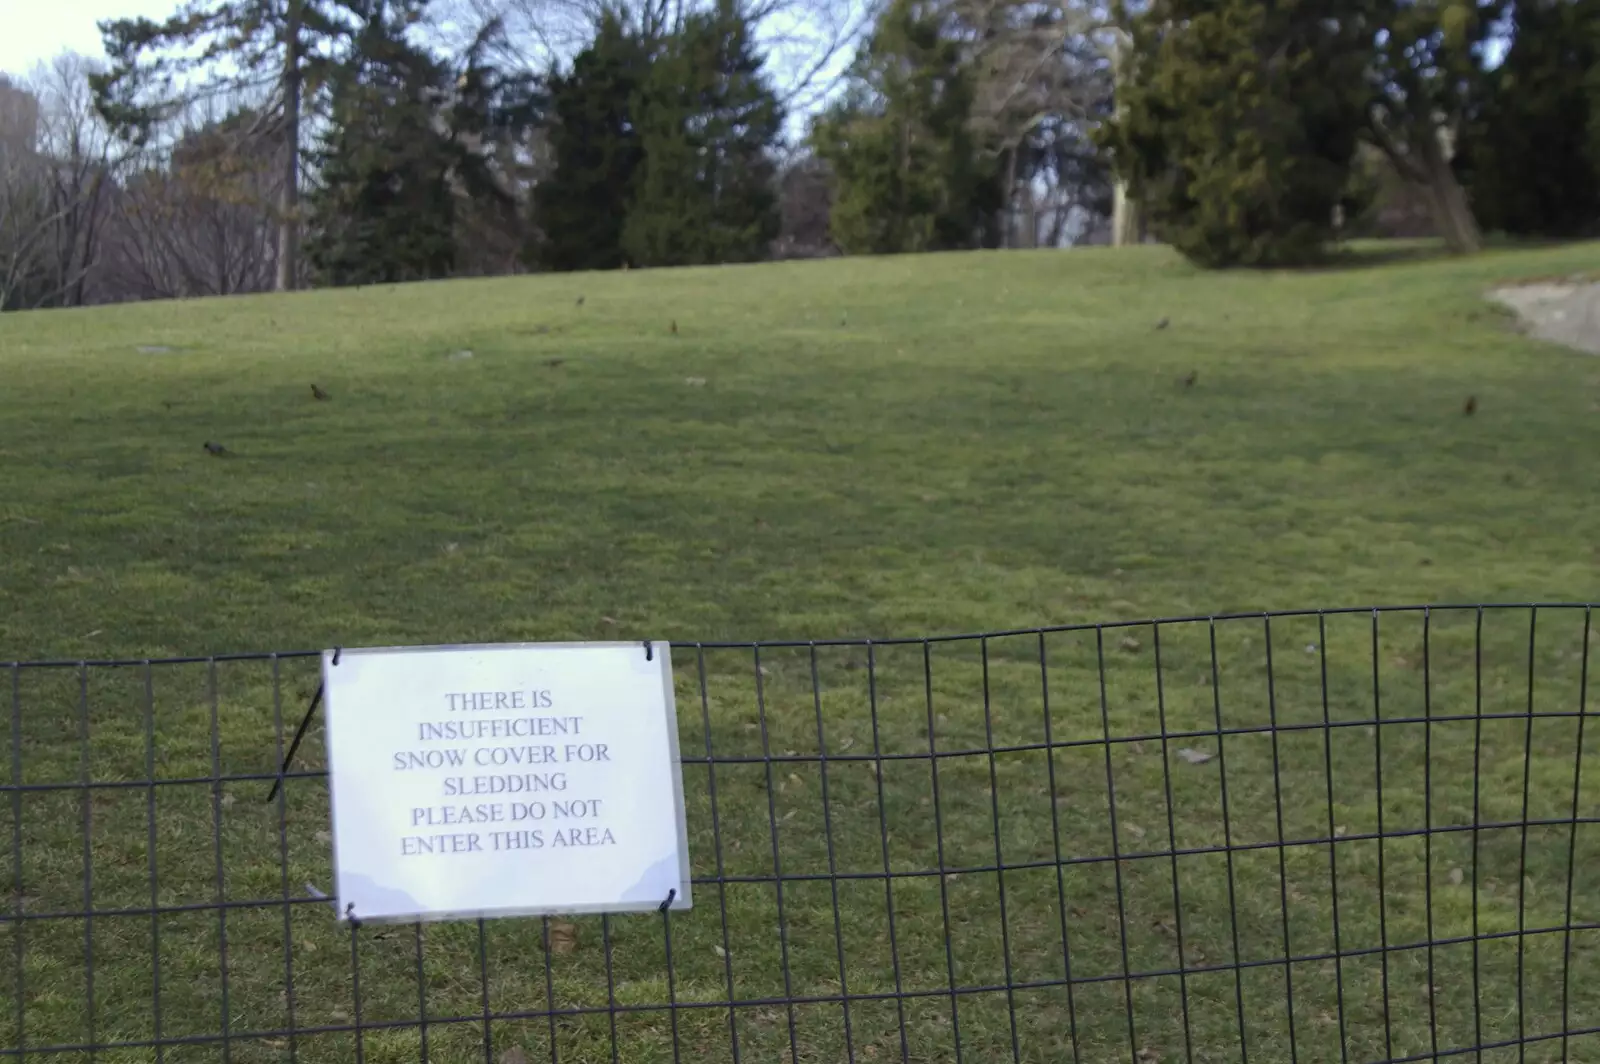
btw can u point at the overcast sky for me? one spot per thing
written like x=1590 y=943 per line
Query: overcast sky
x=35 y=30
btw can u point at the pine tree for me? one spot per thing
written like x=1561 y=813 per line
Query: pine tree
x=1238 y=125
x=580 y=209
x=384 y=211
x=1592 y=85
x=706 y=189
x=909 y=174
x=1528 y=158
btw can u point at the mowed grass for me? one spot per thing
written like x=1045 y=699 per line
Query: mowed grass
x=899 y=447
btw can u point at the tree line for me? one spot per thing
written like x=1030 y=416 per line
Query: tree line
x=243 y=145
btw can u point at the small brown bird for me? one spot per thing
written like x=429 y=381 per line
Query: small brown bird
x=580 y=301
x=674 y=327
x=319 y=395
x=216 y=450
x=1470 y=407
x=1194 y=375
x=1163 y=323
x=554 y=362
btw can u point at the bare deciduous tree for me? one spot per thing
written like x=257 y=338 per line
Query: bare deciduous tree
x=1043 y=77
x=84 y=162
x=203 y=221
x=279 y=54
x=25 y=223
x=805 y=202
x=807 y=42
x=56 y=193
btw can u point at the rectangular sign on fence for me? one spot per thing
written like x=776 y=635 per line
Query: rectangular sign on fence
x=504 y=780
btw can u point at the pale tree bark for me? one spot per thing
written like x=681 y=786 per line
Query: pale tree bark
x=1420 y=152
x=1452 y=214
x=1126 y=228
x=1125 y=224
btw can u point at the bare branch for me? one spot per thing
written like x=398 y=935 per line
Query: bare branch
x=57 y=191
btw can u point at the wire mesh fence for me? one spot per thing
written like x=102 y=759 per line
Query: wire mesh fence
x=1363 y=835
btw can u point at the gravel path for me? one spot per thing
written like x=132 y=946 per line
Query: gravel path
x=1563 y=313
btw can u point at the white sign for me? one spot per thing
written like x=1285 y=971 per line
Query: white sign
x=515 y=779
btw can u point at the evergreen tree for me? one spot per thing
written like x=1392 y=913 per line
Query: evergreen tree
x=1238 y=124
x=1529 y=159
x=1593 y=86
x=594 y=144
x=706 y=189
x=384 y=211
x=909 y=174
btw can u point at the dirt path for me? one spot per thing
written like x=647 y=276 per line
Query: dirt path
x=1563 y=313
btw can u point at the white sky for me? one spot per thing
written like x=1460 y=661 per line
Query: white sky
x=36 y=30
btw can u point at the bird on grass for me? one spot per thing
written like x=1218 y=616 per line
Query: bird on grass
x=1194 y=375
x=674 y=327
x=580 y=301
x=216 y=450
x=1163 y=323
x=554 y=362
x=319 y=395
x=1470 y=407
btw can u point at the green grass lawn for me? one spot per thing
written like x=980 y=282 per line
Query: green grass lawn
x=865 y=448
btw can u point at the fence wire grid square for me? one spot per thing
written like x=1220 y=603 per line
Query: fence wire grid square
x=1343 y=835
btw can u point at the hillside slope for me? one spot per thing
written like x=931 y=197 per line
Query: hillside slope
x=865 y=447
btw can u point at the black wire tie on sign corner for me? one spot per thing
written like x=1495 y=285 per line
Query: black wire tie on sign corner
x=300 y=733
x=649 y=651
x=673 y=893
x=294 y=744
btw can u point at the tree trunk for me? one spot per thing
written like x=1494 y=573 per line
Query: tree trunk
x=1008 y=208
x=1421 y=158
x=1447 y=200
x=289 y=197
x=1126 y=227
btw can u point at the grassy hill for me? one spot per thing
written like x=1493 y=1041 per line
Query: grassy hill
x=866 y=447
x=897 y=447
